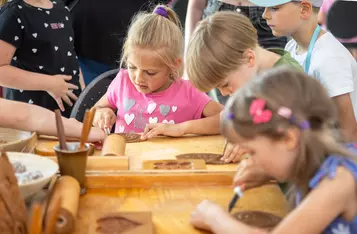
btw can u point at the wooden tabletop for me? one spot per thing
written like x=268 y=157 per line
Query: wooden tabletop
x=171 y=207
x=171 y=196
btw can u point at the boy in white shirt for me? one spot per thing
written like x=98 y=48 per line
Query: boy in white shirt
x=319 y=52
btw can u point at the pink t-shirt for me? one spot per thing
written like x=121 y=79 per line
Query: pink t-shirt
x=178 y=103
x=325 y=7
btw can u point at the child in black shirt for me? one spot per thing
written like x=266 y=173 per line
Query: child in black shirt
x=38 y=63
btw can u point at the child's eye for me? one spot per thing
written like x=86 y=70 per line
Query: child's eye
x=151 y=73
x=275 y=8
x=131 y=68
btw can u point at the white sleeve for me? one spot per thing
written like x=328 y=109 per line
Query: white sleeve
x=336 y=75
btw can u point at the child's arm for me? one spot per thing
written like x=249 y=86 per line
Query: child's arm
x=204 y=126
x=32 y=118
x=194 y=15
x=332 y=198
x=81 y=80
x=12 y=77
x=347 y=117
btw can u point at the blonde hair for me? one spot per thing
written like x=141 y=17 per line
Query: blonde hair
x=217 y=48
x=3 y=2
x=307 y=100
x=160 y=34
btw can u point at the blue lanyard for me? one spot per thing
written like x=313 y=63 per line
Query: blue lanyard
x=311 y=47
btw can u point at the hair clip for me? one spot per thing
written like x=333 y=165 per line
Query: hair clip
x=230 y=116
x=257 y=111
x=161 y=11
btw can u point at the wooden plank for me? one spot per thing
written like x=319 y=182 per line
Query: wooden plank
x=108 y=164
x=158 y=179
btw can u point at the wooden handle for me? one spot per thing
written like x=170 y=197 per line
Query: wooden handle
x=53 y=213
x=87 y=125
x=35 y=221
x=60 y=130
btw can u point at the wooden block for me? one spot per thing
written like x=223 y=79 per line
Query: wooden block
x=187 y=164
x=126 y=223
x=46 y=148
x=99 y=163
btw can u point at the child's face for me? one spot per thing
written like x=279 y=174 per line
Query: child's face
x=274 y=156
x=236 y=80
x=147 y=73
x=283 y=19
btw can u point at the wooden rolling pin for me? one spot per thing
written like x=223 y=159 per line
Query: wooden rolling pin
x=68 y=189
x=114 y=145
x=100 y=163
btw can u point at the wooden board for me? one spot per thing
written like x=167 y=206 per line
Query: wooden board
x=171 y=207
x=107 y=164
x=174 y=165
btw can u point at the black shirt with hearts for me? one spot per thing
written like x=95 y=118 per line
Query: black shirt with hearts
x=44 y=41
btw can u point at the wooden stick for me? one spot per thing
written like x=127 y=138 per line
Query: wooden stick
x=60 y=130
x=35 y=221
x=87 y=125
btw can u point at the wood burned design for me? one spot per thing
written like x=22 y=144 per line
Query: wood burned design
x=258 y=219
x=209 y=158
x=131 y=137
x=2 y=142
x=172 y=165
x=115 y=224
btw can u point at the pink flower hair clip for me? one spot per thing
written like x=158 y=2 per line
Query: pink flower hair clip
x=257 y=111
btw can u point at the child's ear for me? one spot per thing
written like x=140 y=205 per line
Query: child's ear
x=292 y=136
x=250 y=55
x=178 y=63
x=306 y=10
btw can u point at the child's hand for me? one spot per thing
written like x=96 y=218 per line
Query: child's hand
x=61 y=90
x=249 y=175
x=205 y=212
x=233 y=153
x=152 y=130
x=104 y=118
x=96 y=135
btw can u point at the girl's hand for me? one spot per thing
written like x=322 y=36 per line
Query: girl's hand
x=249 y=175
x=233 y=153
x=96 y=135
x=61 y=90
x=152 y=130
x=104 y=118
x=204 y=213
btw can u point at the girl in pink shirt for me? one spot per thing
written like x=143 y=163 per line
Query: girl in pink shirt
x=150 y=96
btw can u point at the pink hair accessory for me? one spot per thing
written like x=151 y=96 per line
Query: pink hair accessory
x=285 y=112
x=258 y=113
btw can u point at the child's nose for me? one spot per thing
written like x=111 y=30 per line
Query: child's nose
x=266 y=13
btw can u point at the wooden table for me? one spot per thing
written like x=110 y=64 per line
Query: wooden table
x=170 y=195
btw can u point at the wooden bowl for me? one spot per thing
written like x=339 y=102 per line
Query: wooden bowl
x=16 y=140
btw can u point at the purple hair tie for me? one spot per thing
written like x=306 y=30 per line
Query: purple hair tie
x=161 y=11
x=230 y=116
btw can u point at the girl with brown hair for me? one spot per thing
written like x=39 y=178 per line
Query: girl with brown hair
x=291 y=116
